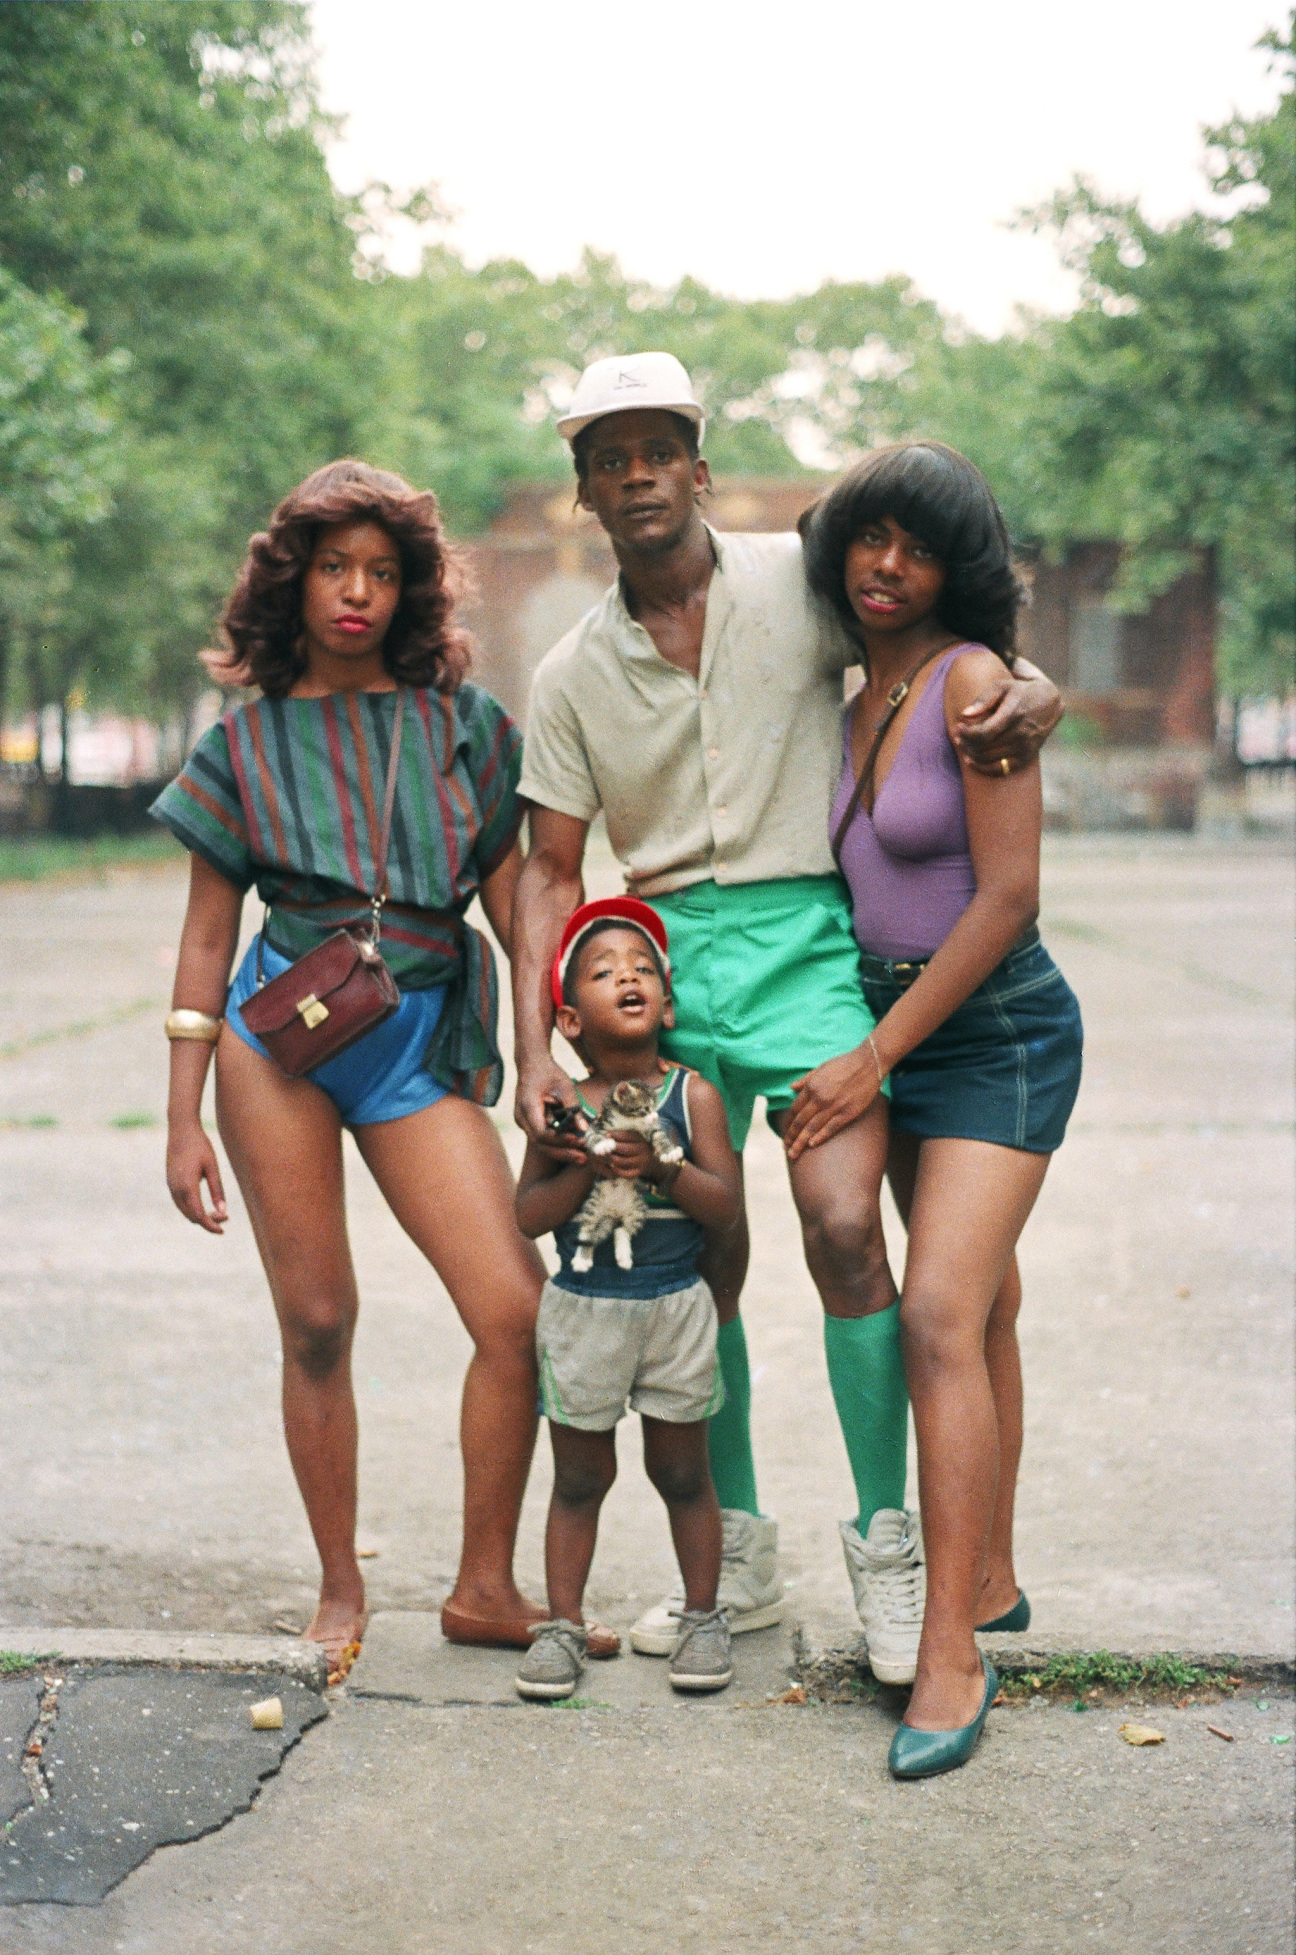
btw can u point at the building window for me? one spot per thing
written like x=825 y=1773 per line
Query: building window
x=1095 y=646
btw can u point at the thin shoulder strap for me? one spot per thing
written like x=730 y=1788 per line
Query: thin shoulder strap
x=895 y=700
x=389 y=799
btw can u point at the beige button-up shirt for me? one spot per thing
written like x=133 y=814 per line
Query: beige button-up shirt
x=730 y=775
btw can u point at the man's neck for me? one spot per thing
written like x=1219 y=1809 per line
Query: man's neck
x=669 y=579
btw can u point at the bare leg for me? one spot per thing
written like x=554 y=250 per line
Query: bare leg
x=970 y=1202
x=1003 y=1362
x=447 y=1181
x=836 y=1189
x=584 y=1469
x=675 y=1459
x=723 y=1262
x=284 y=1142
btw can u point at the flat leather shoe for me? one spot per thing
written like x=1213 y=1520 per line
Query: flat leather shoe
x=1018 y=1617
x=516 y=1632
x=923 y=1754
x=490 y=1632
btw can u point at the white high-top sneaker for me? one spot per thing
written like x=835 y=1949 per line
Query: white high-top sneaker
x=750 y=1592
x=889 y=1577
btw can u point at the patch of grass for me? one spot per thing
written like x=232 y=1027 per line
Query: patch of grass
x=38 y=858
x=29 y=1120
x=14 y=1662
x=1070 y=1673
x=576 y=1704
x=129 y=1120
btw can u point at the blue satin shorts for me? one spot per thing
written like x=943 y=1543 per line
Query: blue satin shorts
x=1004 y=1067
x=381 y=1077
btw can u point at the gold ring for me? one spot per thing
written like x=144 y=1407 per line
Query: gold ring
x=1005 y=767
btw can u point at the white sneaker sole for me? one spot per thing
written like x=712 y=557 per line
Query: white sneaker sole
x=895 y=1670
x=544 y=1693
x=700 y=1683
x=650 y=1641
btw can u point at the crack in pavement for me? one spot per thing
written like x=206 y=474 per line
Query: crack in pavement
x=121 y=1761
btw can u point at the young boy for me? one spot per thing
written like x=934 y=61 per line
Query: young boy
x=647 y=1334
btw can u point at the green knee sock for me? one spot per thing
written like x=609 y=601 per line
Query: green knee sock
x=729 y=1433
x=866 y=1372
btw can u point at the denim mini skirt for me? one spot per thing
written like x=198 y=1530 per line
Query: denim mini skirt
x=1004 y=1067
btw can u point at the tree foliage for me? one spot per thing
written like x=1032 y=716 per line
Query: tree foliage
x=191 y=318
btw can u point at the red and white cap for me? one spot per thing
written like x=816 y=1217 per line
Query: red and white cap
x=621 y=909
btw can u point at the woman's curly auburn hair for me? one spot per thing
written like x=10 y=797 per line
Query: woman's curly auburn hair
x=262 y=625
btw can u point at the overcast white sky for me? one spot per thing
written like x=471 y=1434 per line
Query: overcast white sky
x=766 y=147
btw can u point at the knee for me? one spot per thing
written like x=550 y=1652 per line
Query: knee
x=936 y=1335
x=316 y=1341
x=846 y=1250
x=583 y=1483
x=681 y=1483
x=507 y=1339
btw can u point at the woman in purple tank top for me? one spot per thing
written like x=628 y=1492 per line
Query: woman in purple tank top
x=978 y=1035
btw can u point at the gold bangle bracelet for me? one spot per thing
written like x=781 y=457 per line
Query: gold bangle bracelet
x=193 y=1025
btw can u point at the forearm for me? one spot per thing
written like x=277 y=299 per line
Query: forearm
x=979 y=941
x=546 y=1205
x=545 y=898
x=207 y=946
x=704 y=1197
x=498 y=894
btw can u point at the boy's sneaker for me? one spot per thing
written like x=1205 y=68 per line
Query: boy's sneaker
x=889 y=1577
x=700 y=1659
x=555 y=1662
x=750 y=1592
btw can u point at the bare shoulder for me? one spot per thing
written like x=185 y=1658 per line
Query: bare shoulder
x=974 y=670
x=702 y=1096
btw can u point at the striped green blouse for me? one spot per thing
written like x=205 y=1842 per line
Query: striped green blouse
x=287 y=794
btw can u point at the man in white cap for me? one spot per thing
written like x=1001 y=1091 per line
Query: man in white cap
x=698 y=707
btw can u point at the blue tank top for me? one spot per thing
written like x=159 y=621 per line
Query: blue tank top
x=666 y=1248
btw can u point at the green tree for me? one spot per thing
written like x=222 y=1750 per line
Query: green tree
x=1162 y=412
x=160 y=168
x=56 y=455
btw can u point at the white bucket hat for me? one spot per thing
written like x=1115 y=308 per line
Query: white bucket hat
x=631 y=380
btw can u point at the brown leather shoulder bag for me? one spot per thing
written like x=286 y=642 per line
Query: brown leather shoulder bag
x=342 y=989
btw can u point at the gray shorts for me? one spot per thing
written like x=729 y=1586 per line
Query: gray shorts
x=657 y=1352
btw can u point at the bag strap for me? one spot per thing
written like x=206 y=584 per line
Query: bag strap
x=379 y=896
x=895 y=699
x=389 y=802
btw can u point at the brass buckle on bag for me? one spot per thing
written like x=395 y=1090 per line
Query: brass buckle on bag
x=312 y=1011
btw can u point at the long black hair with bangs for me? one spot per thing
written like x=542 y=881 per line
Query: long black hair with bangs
x=940 y=497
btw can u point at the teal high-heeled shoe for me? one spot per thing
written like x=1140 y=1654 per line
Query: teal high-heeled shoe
x=922 y=1754
x=1018 y=1617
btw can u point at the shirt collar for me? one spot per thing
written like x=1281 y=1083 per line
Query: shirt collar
x=619 y=610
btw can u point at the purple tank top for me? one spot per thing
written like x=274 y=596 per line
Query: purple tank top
x=907 y=864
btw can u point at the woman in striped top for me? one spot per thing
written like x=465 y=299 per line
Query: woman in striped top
x=345 y=602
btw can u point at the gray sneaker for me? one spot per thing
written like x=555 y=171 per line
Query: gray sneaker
x=701 y=1659
x=555 y=1662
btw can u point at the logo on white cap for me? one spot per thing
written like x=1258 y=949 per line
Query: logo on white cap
x=650 y=379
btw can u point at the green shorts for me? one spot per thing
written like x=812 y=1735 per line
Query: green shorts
x=766 y=978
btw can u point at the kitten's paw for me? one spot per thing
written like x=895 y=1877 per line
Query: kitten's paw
x=603 y=1145
x=621 y=1246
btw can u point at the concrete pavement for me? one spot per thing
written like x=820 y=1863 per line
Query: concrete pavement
x=146 y=1488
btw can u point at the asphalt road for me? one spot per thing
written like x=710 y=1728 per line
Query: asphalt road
x=145 y=1479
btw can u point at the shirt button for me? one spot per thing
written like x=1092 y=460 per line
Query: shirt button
x=713 y=753
x=722 y=811
x=704 y=692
